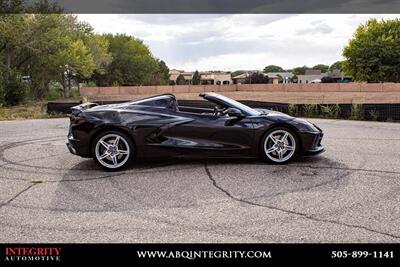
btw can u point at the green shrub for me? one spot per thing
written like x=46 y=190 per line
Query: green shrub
x=356 y=112
x=336 y=111
x=390 y=119
x=310 y=110
x=293 y=109
x=91 y=84
x=374 y=114
x=54 y=93
x=330 y=111
x=74 y=93
x=15 y=91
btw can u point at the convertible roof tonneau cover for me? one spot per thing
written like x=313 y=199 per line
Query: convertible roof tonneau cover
x=170 y=99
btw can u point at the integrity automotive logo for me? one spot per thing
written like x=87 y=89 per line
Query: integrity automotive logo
x=32 y=254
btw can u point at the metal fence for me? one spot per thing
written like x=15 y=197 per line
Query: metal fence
x=380 y=112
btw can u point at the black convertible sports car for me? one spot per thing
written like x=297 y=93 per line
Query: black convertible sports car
x=114 y=135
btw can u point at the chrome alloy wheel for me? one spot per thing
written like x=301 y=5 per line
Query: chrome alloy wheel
x=280 y=146
x=112 y=151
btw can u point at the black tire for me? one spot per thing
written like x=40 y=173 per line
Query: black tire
x=126 y=159
x=290 y=156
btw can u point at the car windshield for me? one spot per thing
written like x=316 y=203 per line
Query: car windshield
x=233 y=103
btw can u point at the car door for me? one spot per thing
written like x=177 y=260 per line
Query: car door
x=214 y=136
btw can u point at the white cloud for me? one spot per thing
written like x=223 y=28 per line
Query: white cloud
x=231 y=42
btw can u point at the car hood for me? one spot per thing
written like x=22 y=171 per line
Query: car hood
x=273 y=113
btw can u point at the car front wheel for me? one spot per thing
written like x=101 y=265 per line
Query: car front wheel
x=279 y=145
x=112 y=150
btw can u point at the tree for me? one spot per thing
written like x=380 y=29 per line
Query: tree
x=237 y=72
x=98 y=46
x=323 y=68
x=162 y=75
x=15 y=33
x=75 y=59
x=21 y=42
x=77 y=52
x=196 y=78
x=372 y=55
x=132 y=63
x=256 y=78
x=180 y=80
x=44 y=48
x=300 y=70
x=272 y=68
x=338 y=65
x=49 y=47
x=15 y=90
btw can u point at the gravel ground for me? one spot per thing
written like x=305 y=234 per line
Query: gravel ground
x=348 y=194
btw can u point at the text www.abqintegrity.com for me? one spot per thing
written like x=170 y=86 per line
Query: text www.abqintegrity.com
x=203 y=254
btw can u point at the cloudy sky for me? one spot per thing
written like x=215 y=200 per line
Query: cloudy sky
x=234 y=42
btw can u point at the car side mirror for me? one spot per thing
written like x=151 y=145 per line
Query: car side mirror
x=234 y=112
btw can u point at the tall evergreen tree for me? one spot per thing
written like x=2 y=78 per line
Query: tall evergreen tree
x=196 y=78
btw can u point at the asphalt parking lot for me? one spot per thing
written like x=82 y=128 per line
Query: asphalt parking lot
x=351 y=193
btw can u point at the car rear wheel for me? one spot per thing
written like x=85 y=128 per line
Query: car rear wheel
x=279 y=146
x=112 y=150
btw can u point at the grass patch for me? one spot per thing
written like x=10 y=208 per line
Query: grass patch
x=330 y=111
x=32 y=110
x=357 y=112
x=310 y=110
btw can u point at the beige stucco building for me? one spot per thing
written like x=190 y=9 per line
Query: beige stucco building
x=206 y=77
x=311 y=76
